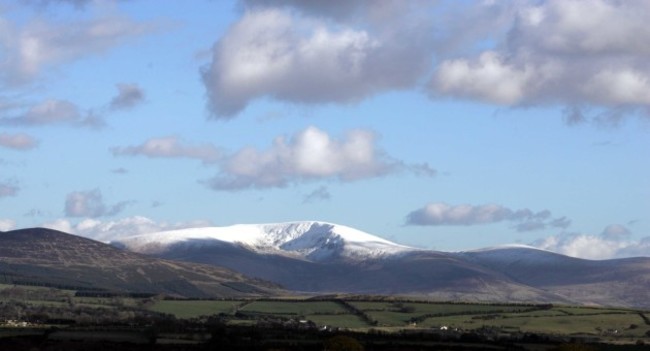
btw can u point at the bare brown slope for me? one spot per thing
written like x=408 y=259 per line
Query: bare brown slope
x=52 y=258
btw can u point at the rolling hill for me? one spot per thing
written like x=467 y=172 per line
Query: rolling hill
x=50 y=258
x=620 y=282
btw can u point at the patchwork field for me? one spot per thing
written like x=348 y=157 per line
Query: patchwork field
x=46 y=306
x=394 y=316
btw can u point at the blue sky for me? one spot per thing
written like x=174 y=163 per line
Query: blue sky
x=441 y=124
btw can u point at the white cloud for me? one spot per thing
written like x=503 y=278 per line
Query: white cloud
x=614 y=242
x=20 y=141
x=439 y=213
x=91 y=204
x=583 y=27
x=278 y=53
x=107 y=231
x=170 y=147
x=40 y=44
x=585 y=55
x=7 y=224
x=567 y=52
x=312 y=154
x=625 y=86
x=488 y=78
x=128 y=96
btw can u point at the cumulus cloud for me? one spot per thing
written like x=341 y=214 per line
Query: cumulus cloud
x=39 y=43
x=588 y=56
x=488 y=78
x=278 y=53
x=568 y=52
x=7 y=224
x=439 y=213
x=128 y=96
x=8 y=189
x=91 y=204
x=319 y=194
x=170 y=147
x=107 y=231
x=20 y=141
x=311 y=154
x=613 y=242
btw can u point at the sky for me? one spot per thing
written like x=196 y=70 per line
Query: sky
x=449 y=125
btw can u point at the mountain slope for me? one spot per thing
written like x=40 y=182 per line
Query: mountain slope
x=48 y=257
x=623 y=282
x=324 y=257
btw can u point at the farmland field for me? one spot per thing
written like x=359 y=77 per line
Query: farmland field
x=384 y=321
x=298 y=308
x=190 y=309
x=364 y=315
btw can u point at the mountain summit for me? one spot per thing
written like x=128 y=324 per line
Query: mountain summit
x=313 y=241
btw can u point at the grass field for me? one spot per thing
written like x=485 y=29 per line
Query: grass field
x=558 y=320
x=192 y=309
x=550 y=322
x=298 y=308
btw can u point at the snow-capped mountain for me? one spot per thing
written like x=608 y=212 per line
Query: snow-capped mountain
x=315 y=241
x=322 y=257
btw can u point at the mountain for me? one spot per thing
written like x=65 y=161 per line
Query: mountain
x=51 y=258
x=313 y=241
x=326 y=258
x=621 y=282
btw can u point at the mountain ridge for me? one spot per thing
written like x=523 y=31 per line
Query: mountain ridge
x=325 y=257
x=321 y=257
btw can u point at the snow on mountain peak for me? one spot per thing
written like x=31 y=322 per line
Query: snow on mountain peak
x=513 y=253
x=310 y=239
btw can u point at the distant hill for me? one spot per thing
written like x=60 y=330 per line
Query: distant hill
x=619 y=282
x=324 y=257
x=51 y=258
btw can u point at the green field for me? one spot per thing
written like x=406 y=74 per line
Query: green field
x=556 y=320
x=354 y=314
x=192 y=309
x=297 y=308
